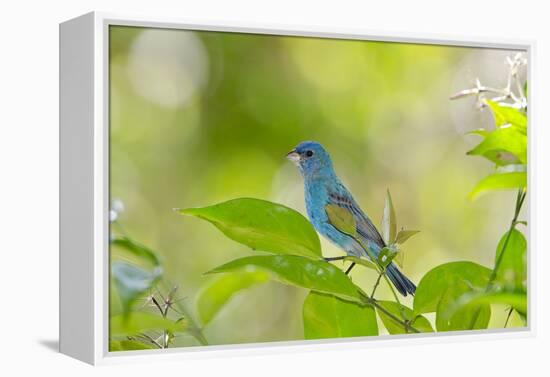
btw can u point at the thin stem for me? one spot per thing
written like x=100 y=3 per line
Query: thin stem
x=401 y=310
x=153 y=298
x=485 y=89
x=376 y=285
x=508 y=92
x=519 y=202
x=381 y=271
x=164 y=312
x=150 y=339
x=405 y=323
x=331 y=259
x=522 y=193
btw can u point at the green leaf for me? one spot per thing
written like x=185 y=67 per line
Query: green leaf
x=503 y=146
x=361 y=261
x=389 y=222
x=462 y=319
x=499 y=181
x=139 y=322
x=505 y=115
x=404 y=235
x=131 y=282
x=327 y=316
x=453 y=275
x=318 y=276
x=443 y=285
x=419 y=322
x=341 y=219
x=512 y=271
x=128 y=345
x=262 y=225
x=386 y=255
x=515 y=299
x=217 y=292
x=136 y=249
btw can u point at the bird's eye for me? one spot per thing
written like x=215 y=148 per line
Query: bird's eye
x=309 y=153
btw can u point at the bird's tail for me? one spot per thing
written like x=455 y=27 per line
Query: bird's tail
x=400 y=281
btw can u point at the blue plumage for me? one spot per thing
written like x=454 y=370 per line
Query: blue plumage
x=322 y=187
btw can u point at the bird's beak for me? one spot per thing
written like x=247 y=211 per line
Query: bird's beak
x=293 y=156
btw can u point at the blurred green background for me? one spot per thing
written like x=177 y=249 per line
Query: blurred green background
x=197 y=118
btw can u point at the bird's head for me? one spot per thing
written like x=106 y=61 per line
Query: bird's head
x=311 y=158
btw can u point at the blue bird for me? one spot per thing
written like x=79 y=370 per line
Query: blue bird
x=323 y=187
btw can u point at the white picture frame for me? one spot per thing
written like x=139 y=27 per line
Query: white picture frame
x=84 y=188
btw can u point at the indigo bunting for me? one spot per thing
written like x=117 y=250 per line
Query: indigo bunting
x=322 y=187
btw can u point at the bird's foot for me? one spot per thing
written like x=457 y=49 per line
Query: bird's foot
x=350 y=268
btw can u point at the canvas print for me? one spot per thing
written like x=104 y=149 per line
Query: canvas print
x=269 y=188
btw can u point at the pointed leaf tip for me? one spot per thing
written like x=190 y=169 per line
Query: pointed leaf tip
x=404 y=235
x=195 y=211
x=389 y=221
x=499 y=181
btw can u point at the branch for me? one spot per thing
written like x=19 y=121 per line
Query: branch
x=405 y=323
x=382 y=273
x=376 y=285
x=502 y=94
x=153 y=298
x=522 y=193
x=148 y=338
x=519 y=202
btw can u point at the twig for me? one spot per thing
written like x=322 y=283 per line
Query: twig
x=331 y=259
x=381 y=271
x=153 y=298
x=519 y=202
x=401 y=310
x=163 y=313
x=505 y=93
x=376 y=285
x=522 y=193
x=150 y=339
x=405 y=323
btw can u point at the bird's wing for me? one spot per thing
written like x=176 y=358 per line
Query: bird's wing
x=364 y=226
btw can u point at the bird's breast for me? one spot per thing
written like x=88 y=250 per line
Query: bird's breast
x=316 y=199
